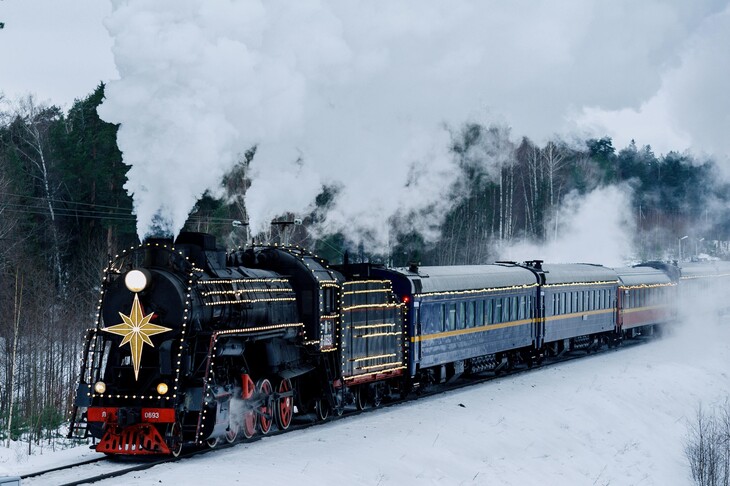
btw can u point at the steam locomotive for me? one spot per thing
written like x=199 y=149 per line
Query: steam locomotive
x=193 y=345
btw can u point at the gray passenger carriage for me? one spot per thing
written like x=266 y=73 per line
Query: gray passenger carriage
x=579 y=301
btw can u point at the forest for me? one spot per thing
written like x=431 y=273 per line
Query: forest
x=64 y=211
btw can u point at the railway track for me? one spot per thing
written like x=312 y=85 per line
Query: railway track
x=102 y=468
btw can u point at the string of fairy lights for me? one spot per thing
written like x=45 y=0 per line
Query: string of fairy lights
x=383 y=291
x=96 y=358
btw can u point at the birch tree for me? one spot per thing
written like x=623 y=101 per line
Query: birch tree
x=29 y=140
x=14 y=351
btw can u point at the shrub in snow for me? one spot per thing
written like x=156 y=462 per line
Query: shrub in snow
x=707 y=446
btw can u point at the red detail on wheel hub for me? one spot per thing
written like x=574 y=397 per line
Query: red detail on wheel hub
x=139 y=439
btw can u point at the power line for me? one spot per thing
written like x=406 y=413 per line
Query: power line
x=77 y=209
x=63 y=201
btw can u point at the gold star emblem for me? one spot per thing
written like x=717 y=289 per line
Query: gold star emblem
x=136 y=330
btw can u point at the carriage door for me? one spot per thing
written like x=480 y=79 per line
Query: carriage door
x=327 y=318
x=415 y=343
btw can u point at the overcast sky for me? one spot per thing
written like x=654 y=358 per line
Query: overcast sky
x=368 y=86
x=57 y=50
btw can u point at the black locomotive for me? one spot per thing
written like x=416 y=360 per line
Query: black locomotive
x=193 y=345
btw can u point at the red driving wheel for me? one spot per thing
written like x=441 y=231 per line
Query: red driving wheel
x=265 y=411
x=284 y=405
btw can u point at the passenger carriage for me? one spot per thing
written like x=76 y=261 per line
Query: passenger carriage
x=579 y=306
x=704 y=285
x=646 y=299
x=466 y=318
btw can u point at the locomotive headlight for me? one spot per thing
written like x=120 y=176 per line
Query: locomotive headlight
x=136 y=280
x=99 y=387
x=162 y=388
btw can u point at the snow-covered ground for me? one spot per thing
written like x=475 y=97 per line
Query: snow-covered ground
x=619 y=418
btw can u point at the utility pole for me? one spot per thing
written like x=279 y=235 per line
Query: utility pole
x=680 y=246
x=283 y=236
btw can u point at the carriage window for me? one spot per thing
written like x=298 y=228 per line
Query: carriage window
x=470 y=313
x=461 y=319
x=490 y=311
x=561 y=303
x=452 y=317
x=505 y=309
x=533 y=306
x=497 y=311
x=480 y=313
x=521 y=314
x=442 y=314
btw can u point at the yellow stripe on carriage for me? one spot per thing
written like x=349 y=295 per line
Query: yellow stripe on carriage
x=522 y=322
x=580 y=314
x=459 y=332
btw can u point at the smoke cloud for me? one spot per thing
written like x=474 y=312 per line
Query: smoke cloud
x=363 y=96
x=575 y=237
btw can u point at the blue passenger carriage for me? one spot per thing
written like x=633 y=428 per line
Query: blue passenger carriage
x=466 y=318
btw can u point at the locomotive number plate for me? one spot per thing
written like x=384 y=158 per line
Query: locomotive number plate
x=158 y=415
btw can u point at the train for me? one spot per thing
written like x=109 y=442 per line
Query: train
x=194 y=345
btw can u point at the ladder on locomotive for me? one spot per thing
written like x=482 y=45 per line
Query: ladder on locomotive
x=78 y=428
x=329 y=363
